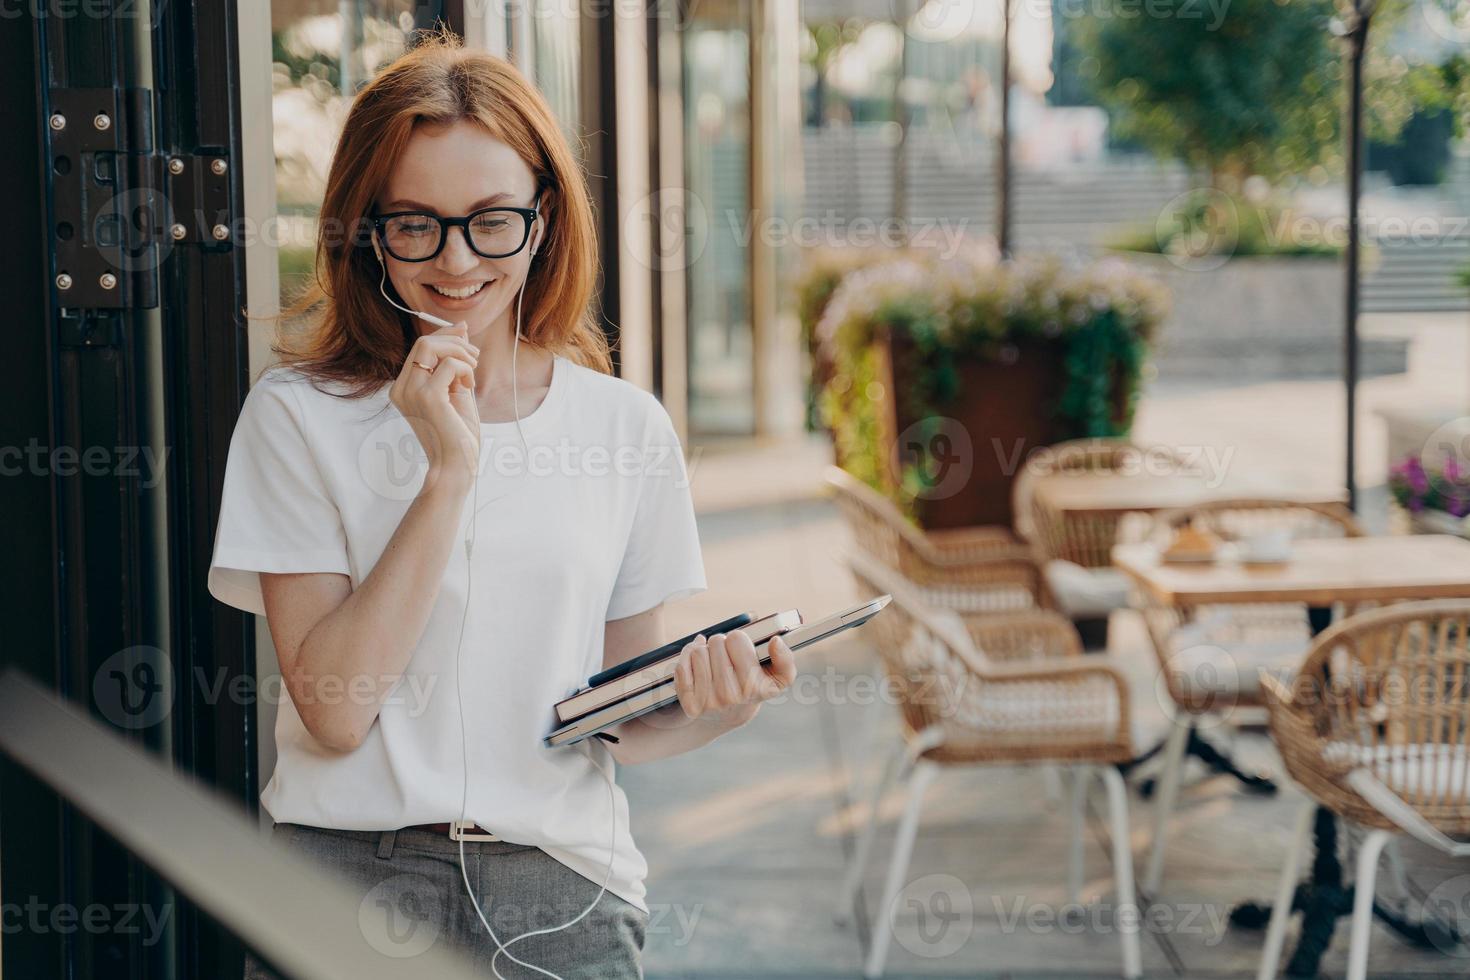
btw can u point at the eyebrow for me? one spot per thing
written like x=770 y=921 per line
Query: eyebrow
x=484 y=202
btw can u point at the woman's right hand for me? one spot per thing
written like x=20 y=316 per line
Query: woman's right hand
x=439 y=403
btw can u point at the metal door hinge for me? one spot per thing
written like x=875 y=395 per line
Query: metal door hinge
x=118 y=206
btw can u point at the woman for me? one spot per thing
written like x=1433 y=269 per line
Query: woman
x=449 y=529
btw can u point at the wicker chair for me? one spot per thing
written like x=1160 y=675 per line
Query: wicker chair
x=1210 y=657
x=1085 y=541
x=1038 y=703
x=1077 y=549
x=1375 y=727
x=979 y=569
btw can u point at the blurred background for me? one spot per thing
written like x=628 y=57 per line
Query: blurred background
x=878 y=259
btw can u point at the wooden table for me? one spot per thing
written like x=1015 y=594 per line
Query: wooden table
x=1078 y=513
x=1319 y=573
x=1115 y=494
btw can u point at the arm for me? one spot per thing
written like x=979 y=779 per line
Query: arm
x=721 y=684
x=341 y=650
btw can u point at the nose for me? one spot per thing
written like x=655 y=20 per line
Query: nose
x=457 y=258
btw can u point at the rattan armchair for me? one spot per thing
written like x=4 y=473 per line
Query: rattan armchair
x=1041 y=703
x=1210 y=657
x=1375 y=727
x=968 y=570
x=1085 y=540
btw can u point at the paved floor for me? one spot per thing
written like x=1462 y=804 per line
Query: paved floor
x=747 y=839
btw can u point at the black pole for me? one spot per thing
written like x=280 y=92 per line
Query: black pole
x=1357 y=47
x=1003 y=150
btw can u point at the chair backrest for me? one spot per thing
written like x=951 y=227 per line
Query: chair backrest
x=878 y=526
x=1089 y=541
x=927 y=656
x=1389 y=690
x=1243 y=517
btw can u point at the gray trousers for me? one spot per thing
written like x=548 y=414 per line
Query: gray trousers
x=413 y=897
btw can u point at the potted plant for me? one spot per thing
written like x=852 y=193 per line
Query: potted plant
x=947 y=373
x=1432 y=499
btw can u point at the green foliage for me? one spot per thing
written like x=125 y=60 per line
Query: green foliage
x=1252 y=87
x=973 y=308
x=1211 y=222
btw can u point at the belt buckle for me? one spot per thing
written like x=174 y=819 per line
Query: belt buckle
x=459 y=830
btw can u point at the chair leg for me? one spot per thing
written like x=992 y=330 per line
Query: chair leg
x=1081 y=779
x=1127 y=919
x=854 y=877
x=903 y=849
x=1368 y=855
x=1285 y=891
x=1051 y=778
x=1168 y=796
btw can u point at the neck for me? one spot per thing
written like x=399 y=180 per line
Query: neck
x=498 y=352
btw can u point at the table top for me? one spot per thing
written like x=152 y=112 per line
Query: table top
x=1320 y=572
x=1115 y=493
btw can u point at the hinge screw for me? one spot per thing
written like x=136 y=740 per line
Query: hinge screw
x=176 y=166
x=58 y=121
x=221 y=233
x=63 y=281
x=107 y=281
x=219 y=166
x=102 y=121
x=178 y=231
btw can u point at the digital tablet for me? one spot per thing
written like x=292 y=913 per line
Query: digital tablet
x=667 y=693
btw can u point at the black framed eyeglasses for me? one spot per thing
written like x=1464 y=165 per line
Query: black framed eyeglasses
x=492 y=233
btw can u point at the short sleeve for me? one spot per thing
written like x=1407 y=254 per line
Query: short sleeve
x=662 y=561
x=276 y=514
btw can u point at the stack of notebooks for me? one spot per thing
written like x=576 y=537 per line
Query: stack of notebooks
x=646 y=682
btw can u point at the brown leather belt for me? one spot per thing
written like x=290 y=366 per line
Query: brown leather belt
x=456 y=830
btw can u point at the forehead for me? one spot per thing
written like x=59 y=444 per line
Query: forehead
x=449 y=167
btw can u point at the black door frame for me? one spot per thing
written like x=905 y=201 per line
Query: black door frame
x=109 y=546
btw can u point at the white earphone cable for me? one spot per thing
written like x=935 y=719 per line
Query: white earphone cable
x=459 y=692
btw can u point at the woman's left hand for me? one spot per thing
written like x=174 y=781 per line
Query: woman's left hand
x=722 y=679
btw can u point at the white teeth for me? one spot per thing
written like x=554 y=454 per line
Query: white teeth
x=464 y=293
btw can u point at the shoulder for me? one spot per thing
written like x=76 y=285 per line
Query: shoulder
x=283 y=396
x=625 y=405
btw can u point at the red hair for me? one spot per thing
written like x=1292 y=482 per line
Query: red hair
x=358 y=340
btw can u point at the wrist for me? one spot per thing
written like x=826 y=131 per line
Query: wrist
x=447 y=481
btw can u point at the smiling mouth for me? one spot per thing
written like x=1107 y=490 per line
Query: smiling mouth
x=458 y=292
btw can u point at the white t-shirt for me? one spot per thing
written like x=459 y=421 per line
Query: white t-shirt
x=596 y=524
